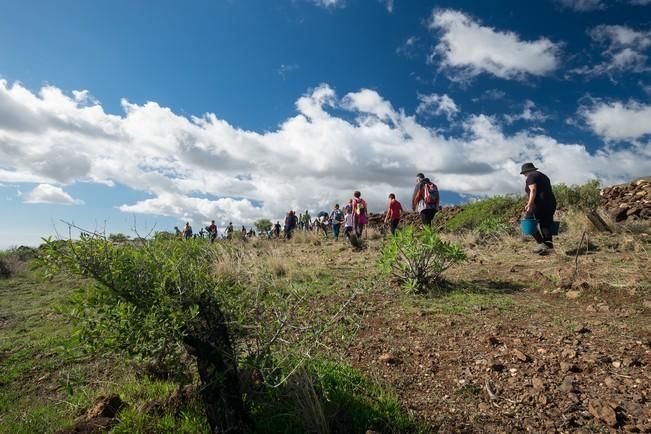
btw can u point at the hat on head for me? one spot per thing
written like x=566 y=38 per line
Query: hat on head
x=420 y=175
x=527 y=167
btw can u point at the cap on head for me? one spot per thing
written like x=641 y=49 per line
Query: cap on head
x=527 y=167
x=420 y=175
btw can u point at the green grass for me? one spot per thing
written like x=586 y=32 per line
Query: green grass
x=345 y=394
x=38 y=350
x=484 y=214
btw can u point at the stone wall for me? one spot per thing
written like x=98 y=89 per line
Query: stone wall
x=628 y=202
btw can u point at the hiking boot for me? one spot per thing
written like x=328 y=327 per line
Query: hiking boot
x=541 y=249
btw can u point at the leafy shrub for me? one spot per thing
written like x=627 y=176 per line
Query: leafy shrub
x=494 y=211
x=156 y=301
x=585 y=197
x=418 y=259
x=263 y=225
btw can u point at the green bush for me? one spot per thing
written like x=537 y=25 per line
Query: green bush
x=263 y=225
x=486 y=214
x=585 y=197
x=157 y=301
x=418 y=259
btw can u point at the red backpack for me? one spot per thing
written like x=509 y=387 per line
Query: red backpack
x=431 y=194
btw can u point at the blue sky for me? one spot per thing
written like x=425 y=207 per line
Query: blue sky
x=163 y=112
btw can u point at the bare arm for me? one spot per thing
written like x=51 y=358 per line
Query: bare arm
x=532 y=197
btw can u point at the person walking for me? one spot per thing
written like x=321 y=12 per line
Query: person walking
x=290 y=224
x=425 y=199
x=187 y=231
x=277 y=229
x=229 y=230
x=348 y=221
x=360 y=214
x=212 y=231
x=307 y=220
x=393 y=213
x=337 y=218
x=541 y=204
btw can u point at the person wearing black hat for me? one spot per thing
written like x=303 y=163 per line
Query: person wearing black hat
x=541 y=204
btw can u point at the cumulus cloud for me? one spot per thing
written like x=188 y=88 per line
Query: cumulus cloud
x=617 y=120
x=583 y=5
x=624 y=50
x=47 y=193
x=201 y=167
x=436 y=105
x=469 y=49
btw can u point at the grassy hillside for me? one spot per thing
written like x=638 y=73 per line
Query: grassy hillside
x=562 y=341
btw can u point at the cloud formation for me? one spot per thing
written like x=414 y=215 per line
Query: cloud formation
x=46 y=193
x=583 y=5
x=201 y=167
x=617 y=120
x=624 y=50
x=436 y=105
x=468 y=49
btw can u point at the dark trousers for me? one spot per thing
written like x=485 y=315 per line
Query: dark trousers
x=347 y=231
x=335 y=230
x=545 y=217
x=427 y=215
x=393 y=225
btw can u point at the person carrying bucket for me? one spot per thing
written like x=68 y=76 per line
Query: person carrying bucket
x=541 y=205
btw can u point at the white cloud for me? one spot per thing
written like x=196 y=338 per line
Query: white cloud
x=583 y=5
x=202 y=168
x=409 y=48
x=436 y=105
x=283 y=69
x=470 y=49
x=624 y=50
x=47 y=193
x=329 y=3
x=618 y=121
x=529 y=114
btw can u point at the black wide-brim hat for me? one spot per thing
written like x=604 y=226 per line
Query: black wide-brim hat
x=527 y=167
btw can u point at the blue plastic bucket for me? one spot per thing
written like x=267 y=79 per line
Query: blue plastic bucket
x=528 y=226
x=556 y=226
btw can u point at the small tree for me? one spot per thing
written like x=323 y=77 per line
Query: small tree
x=263 y=225
x=118 y=238
x=418 y=259
x=157 y=300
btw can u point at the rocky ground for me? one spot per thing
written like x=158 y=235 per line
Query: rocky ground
x=527 y=344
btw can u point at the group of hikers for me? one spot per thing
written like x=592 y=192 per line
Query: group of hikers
x=541 y=205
